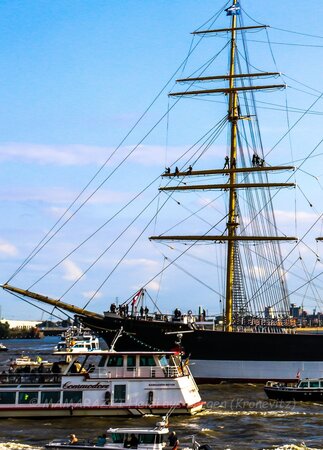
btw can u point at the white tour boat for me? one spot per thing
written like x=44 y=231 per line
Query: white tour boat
x=100 y=383
x=154 y=438
x=77 y=338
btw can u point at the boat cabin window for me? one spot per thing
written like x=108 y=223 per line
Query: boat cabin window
x=117 y=438
x=102 y=361
x=303 y=384
x=72 y=397
x=131 y=361
x=149 y=438
x=28 y=397
x=115 y=361
x=314 y=384
x=119 y=393
x=50 y=397
x=7 y=397
x=131 y=440
x=147 y=360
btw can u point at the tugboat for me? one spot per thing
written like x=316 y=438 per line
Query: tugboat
x=306 y=390
x=100 y=383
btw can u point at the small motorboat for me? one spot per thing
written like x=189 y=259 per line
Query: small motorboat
x=25 y=361
x=141 y=438
x=3 y=348
x=306 y=390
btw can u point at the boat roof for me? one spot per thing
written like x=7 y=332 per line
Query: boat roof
x=154 y=430
x=109 y=352
x=311 y=379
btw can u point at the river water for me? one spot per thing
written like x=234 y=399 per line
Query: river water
x=236 y=417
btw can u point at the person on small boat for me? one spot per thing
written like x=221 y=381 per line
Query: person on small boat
x=131 y=441
x=73 y=439
x=101 y=440
x=173 y=442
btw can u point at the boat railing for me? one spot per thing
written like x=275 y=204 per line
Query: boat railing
x=104 y=372
x=30 y=378
x=135 y=372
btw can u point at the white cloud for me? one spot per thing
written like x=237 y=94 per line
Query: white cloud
x=89 y=294
x=82 y=155
x=7 y=249
x=60 y=195
x=289 y=216
x=72 y=271
x=153 y=286
x=62 y=155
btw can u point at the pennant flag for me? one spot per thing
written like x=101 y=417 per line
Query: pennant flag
x=233 y=10
x=136 y=297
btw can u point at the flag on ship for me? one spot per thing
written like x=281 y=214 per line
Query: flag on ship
x=233 y=10
x=136 y=297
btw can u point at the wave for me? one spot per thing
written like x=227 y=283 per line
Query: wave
x=221 y=412
x=301 y=446
x=16 y=446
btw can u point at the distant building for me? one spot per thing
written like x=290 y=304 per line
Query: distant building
x=21 y=324
x=296 y=311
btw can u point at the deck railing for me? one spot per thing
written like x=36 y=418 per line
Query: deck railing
x=100 y=372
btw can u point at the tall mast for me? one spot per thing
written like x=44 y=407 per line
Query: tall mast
x=232 y=218
x=232 y=90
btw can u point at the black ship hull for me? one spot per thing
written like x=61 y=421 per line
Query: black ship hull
x=294 y=394
x=219 y=355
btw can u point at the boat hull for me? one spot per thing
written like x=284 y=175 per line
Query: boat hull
x=296 y=394
x=100 y=411
x=218 y=355
x=260 y=371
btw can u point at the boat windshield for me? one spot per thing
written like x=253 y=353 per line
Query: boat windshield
x=163 y=360
x=142 y=438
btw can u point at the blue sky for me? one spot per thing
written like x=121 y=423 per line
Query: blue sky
x=75 y=77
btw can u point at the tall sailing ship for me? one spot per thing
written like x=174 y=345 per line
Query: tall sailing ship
x=257 y=341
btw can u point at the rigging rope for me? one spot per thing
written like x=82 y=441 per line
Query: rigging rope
x=49 y=236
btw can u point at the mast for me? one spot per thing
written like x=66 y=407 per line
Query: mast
x=231 y=238
x=232 y=217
